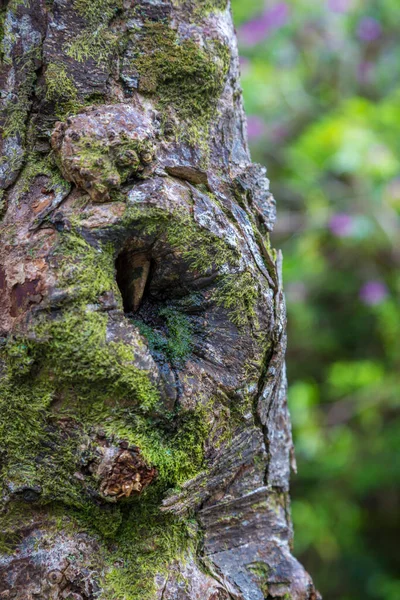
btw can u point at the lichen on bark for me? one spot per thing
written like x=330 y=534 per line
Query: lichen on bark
x=144 y=435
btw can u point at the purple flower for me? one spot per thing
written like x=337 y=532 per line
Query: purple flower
x=369 y=29
x=373 y=293
x=341 y=225
x=340 y=6
x=256 y=30
x=255 y=127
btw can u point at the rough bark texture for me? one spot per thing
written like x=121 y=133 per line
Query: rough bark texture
x=145 y=442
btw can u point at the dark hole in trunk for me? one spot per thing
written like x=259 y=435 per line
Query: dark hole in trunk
x=133 y=270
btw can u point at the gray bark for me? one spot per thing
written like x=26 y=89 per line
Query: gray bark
x=145 y=440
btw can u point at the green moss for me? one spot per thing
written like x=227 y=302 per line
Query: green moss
x=97 y=12
x=63 y=92
x=69 y=357
x=259 y=569
x=105 y=520
x=176 y=447
x=23 y=407
x=148 y=543
x=35 y=165
x=59 y=85
x=97 y=41
x=98 y=45
x=11 y=518
x=175 y=342
x=239 y=293
x=16 y=112
x=261 y=572
x=183 y=75
x=13 y=5
x=38 y=460
x=210 y=5
x=61 y=89
x=73 y=348
x=201 y=8
x=179 y=334
x=41 y=468
x=85 y=270
x=111 y=166
x=74 y=352
x=201 y=248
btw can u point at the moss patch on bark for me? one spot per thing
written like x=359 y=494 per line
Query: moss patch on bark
x=183 y=75
x=97 y=41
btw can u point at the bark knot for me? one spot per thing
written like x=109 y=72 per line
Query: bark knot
x=124 y=473
x=103 y=147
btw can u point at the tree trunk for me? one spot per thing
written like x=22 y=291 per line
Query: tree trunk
x=144 y=433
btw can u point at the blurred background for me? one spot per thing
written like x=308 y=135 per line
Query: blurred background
x=321 y=82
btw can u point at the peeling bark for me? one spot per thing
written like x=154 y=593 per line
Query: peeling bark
x=145 y=440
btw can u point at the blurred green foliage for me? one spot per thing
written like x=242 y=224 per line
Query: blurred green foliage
x=321 y=83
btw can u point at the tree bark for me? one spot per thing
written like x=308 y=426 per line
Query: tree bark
x=144 y=433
